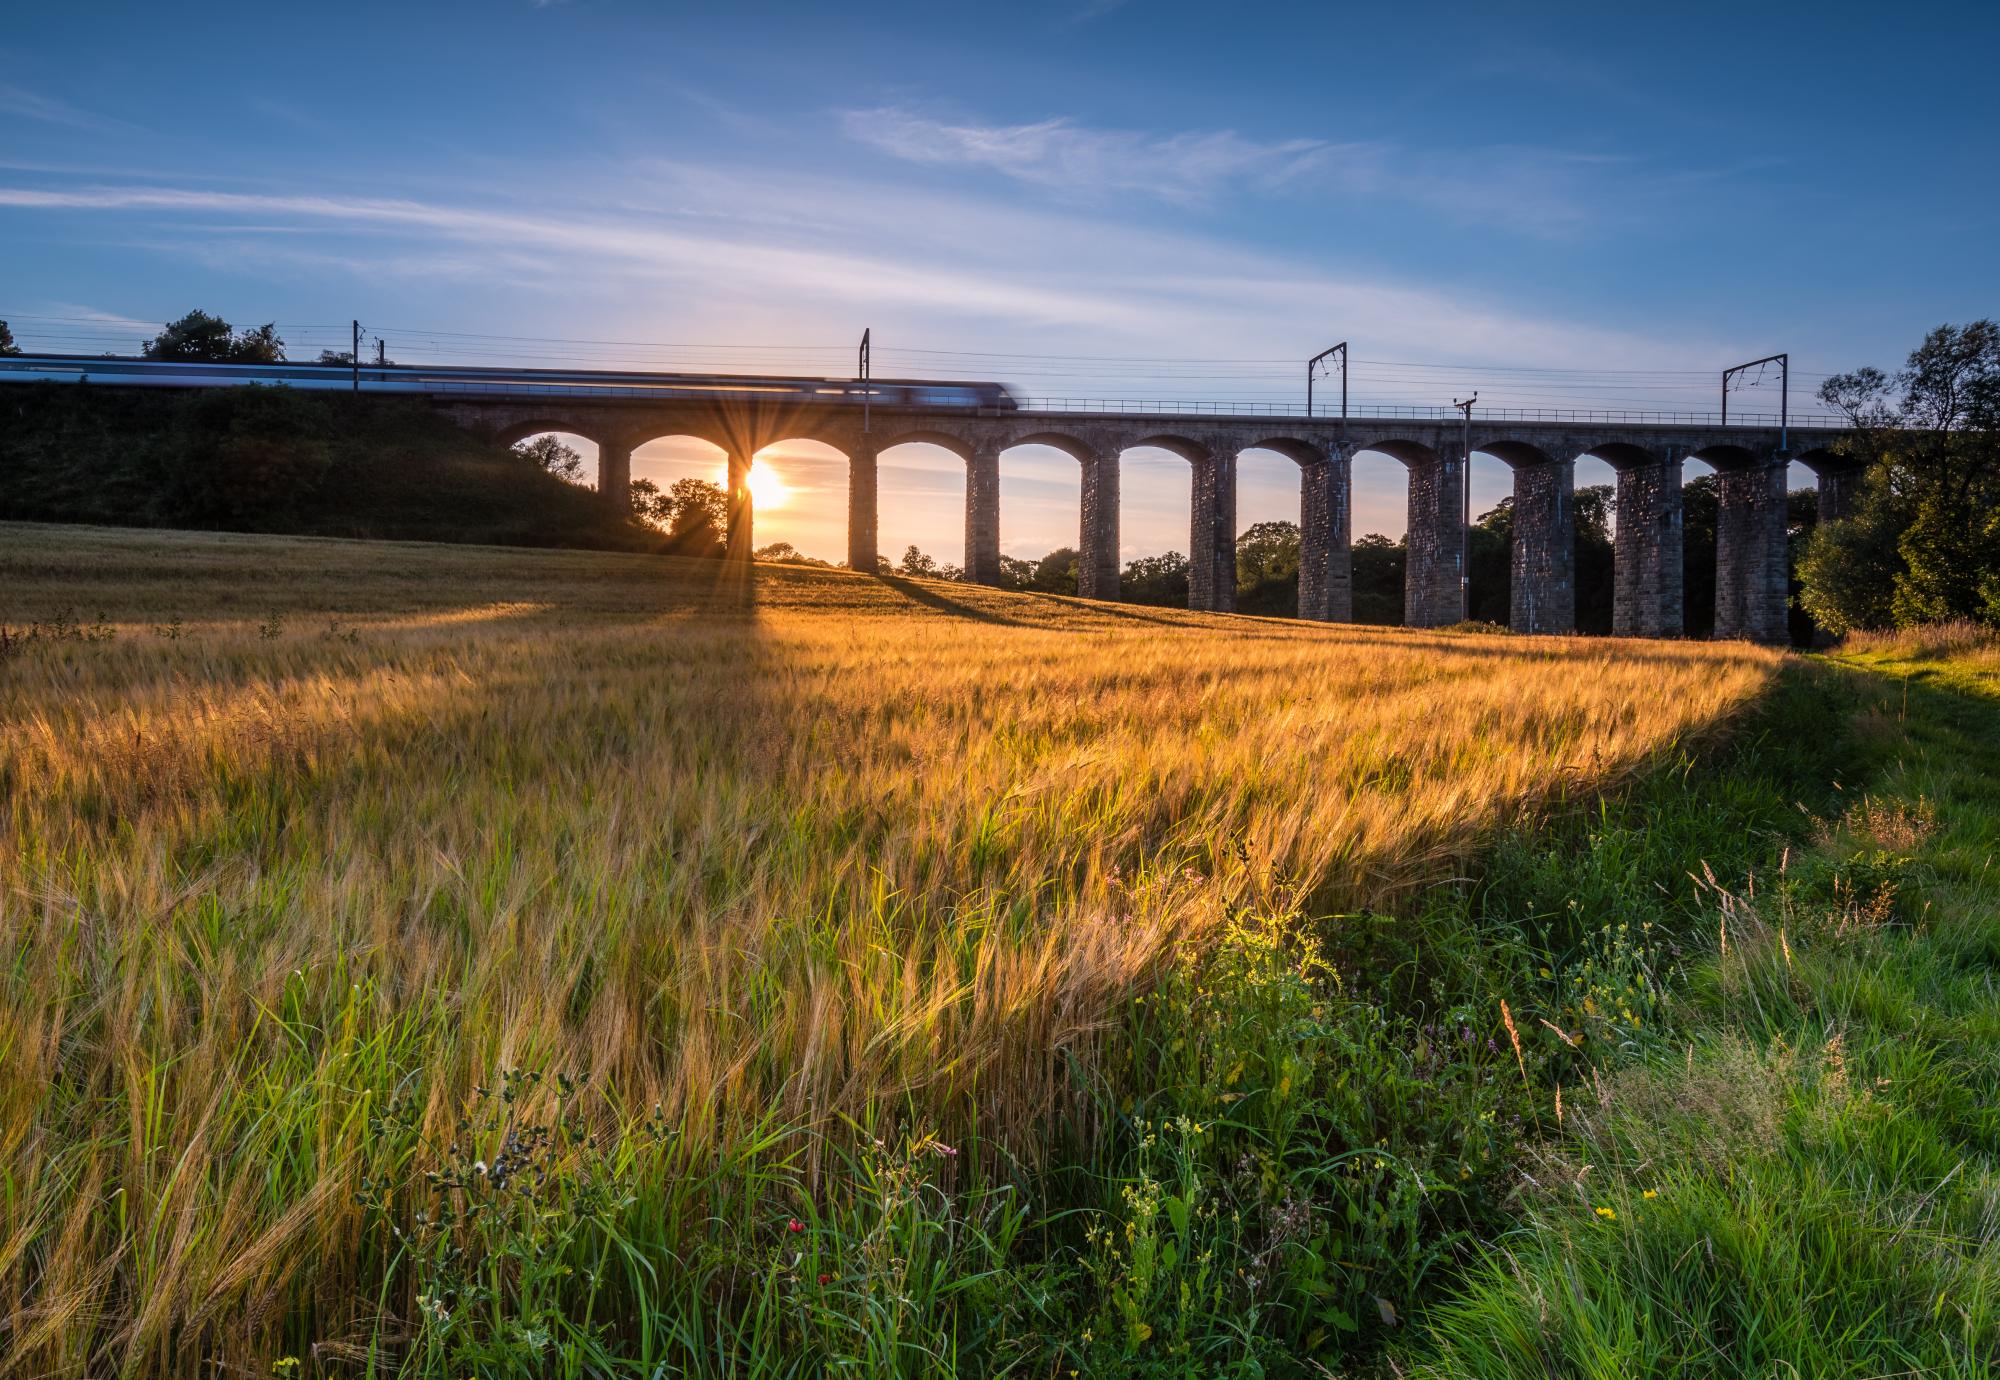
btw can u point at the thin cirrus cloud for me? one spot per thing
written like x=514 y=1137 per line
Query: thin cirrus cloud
x=1060 y=155
x=1550 y=193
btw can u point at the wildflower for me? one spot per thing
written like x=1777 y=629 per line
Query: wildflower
x=1651 y=1193
x=1607 y=1214
x=795 y=1225
x=825 y=1279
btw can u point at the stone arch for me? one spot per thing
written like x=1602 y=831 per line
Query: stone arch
x=1186 y=447
x=1097 y=518
x=767 y=488
x=1539 y=570
x=513 y=433
x=1075 y=447
x=944 y=440
x=1411 y=453
x=1435 y=538
x=1324 y=582
x=1838 y=479
x=1751 y=566
x=669 y=454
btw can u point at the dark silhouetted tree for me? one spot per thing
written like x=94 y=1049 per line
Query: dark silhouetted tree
x=551 y=454
x=1378 y=579
x=199 y=337
x=7 y=345
x=916 y=563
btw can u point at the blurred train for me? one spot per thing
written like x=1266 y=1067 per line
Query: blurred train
x=503 y=383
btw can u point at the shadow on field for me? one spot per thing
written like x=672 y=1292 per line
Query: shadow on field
x=923 y=594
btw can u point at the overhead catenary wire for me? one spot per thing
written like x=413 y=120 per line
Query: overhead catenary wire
x=1249 y=380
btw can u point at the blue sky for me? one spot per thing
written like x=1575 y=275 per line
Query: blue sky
x=1480 y=192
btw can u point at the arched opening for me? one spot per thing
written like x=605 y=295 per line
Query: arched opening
x=1595 y=510
x=564 y=454
x=680 y=485
x=1381 y=514
x=1041 y=506
x=798 y=491
x=1490 y=541
x=1701 y=508
x=1270 y=526
x=920 y=503
x=1153 y=526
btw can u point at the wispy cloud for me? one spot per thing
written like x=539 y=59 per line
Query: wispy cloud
x=32 y=105
x=1549 y=193
x=919 y=264
x=1061 y=155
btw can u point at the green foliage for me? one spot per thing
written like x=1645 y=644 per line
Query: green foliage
x=693 y=513
x=1160 y=580
x=1378 y=579
x=1267 y=569
x=1923 y=545
x=201 y=337
x=1799 y=1182
x=916 y=563
x=507 y=1253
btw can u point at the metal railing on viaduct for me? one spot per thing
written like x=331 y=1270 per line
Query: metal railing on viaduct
x=741 y=416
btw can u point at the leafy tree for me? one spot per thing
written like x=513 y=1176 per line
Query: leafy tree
x=1378 y=579
x=1701 y=512
x=1015 y=573
x=1267 y=569
x=692 y=512
x=918 y=564
x=1594 y=506
x=1927 y=516
x=784 y=553
x=1055 y=573
x=1490 y=563
x=1159 y=580
x=203 y=338
x=551 y=454
x=7 y=345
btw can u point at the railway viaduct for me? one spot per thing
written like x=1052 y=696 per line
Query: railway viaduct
x=1751 y=462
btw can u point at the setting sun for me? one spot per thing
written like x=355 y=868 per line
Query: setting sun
x=767 y=490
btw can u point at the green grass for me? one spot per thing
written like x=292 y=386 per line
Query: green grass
x=1796 y=1173
x=967 y=983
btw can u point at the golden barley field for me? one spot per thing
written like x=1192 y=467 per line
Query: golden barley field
x=287 y=822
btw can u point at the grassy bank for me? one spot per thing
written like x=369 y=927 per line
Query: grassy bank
x=456 y=961
x=1790 y=1169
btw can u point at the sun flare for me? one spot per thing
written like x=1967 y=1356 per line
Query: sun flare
x=767 y=490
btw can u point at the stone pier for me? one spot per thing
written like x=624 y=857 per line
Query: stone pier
x=863 y=510
x=741 y=540
x=1097 y=548
x=1646 y=574
x=1542 y=582
x=982 y=516
x=614 y=472
x=1751 y=586
x=1326 y=555
x=1433 y=579
x=1212 y=535
x=1839 y=487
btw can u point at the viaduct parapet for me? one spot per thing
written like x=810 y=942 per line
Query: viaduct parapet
x=1648 y=458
